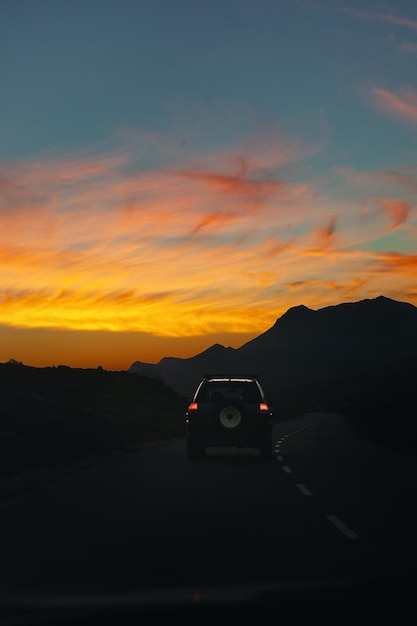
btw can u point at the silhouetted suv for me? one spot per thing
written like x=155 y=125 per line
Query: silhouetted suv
x=229 y=411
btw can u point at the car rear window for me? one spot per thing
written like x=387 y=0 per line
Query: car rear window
x=221 y=391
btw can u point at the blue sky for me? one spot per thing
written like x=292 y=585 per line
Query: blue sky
x=79 y=73
x=184 y=172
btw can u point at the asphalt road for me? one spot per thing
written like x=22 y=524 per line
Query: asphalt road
x=331 y=507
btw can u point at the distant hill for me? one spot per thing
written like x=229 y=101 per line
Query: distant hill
x=306 y=349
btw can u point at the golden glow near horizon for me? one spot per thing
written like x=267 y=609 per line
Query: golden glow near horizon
x=225 y=244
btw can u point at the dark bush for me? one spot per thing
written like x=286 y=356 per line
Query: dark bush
x=56 y=414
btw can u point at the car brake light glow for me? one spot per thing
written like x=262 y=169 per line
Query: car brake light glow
x=263 y=406
x=193 y=406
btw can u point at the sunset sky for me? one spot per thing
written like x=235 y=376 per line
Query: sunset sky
x=176 y=173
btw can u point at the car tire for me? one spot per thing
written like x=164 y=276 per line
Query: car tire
x=266 y=451
x=194 y=450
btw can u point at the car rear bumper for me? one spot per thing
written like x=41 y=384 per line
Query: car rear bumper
x=250 y=436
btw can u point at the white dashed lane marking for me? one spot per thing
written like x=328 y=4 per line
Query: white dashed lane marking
x=304 y=489
x=348 y=532
x=333 y=519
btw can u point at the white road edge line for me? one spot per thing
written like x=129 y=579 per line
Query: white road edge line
x=279 y=458
x=304 y=489
x=287 y=469
x=342 y=527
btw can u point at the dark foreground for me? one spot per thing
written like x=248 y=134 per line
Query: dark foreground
x=330 y=522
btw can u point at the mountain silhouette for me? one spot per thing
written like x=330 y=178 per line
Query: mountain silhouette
x=305 y=347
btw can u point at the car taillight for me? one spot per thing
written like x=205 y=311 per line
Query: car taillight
x=263 y=406
x=193 y=406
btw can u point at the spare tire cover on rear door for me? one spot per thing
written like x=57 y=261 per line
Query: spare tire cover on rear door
x=230 y=416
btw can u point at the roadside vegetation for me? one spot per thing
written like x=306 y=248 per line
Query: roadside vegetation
x=55 y=416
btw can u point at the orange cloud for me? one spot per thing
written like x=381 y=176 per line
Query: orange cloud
x=99 y=243
x=272 y=248
x=213 y=220
x=397 y=262
x=325 y=235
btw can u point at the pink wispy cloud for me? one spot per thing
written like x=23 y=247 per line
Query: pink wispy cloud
x=239 y=184
x=409 y=47
x=383 y=17
x=403 y=179
x=402 y=105
x=397 y=210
